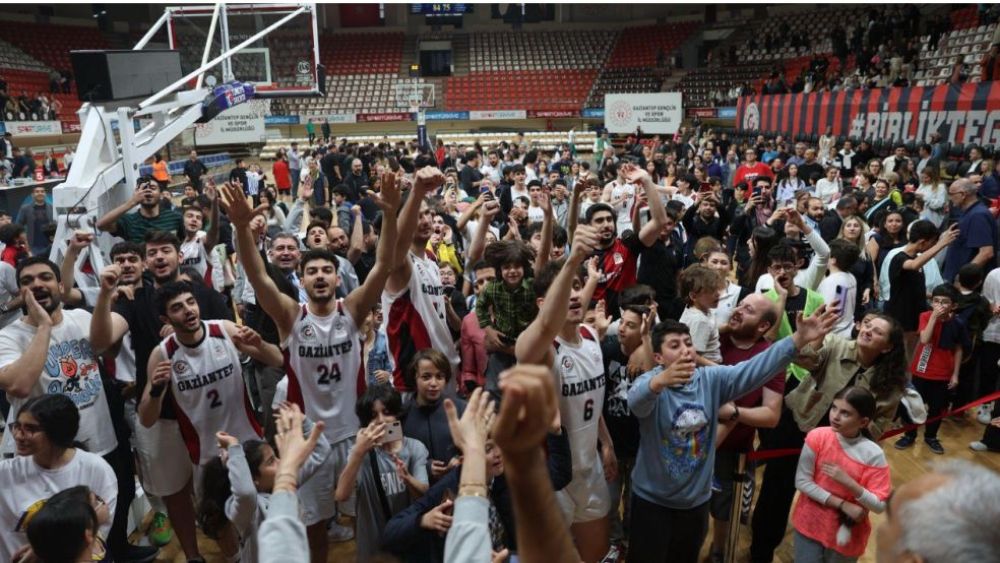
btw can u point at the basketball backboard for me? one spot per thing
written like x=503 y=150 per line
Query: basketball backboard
x=282 y=63
x=414 y=96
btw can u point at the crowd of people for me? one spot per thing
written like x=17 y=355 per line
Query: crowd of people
x=467 y=353
x=25 y=106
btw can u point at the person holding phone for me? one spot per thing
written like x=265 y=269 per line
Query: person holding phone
x=150 y=217
x=388 y=470
x=841 y=286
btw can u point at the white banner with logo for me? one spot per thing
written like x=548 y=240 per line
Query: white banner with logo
x=33 y=128
x=241 y=124
x=653 y=113
x=499 y=114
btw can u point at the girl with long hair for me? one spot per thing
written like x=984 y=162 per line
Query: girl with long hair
x=843 y=475
x=853 y=230
x=74 y=516
x=890 y=233
x=934 y=194
x=789 y=184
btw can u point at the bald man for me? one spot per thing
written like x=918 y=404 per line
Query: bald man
x=977 y=231
x=950 y=514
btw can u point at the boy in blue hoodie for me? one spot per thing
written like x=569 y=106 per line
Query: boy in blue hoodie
x=677 y=407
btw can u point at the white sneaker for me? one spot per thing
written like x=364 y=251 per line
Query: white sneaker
x=613 y=554
x=337 y=533
x=978 y=447
x=984 y=414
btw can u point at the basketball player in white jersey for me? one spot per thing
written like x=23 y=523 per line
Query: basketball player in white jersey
x=196 y=248
x=200 y=362
x=620 y=194
x=418 y=313
x=575 y=358
x=322 y=344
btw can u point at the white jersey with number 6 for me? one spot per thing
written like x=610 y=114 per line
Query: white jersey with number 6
x=580 y=379
x=323 y=364
x=206 y=384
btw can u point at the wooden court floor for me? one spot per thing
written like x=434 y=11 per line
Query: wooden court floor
x=905 y=465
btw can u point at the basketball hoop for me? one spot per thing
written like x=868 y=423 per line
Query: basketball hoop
x=414 y=96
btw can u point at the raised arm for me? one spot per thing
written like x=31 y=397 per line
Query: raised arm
x=159 y=371
x=109 y=222
x=360 y=301
x=657 y=212
x=477 y=247
x=426 y=180
x=547 y=219
x=20 y=376
x=67 y=269
x=533 y=344
x=280 y=307
x=573 y=215
x=212 y=236
x=357 y=247
x=106 y=327
x=943 y=242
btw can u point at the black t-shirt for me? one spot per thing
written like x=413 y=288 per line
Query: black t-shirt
x=622 y=424
x=658 y=267
x=144 y=325
x=467 y=177
x=795 y=305
x=907 y=293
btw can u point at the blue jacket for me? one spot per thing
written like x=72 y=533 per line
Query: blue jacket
x=677 y=426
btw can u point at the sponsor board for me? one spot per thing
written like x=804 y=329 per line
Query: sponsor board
x=446 y=115
x=653 y=113
x=281 y=120
x=592 y=112
x=331 y=118
x=550 y=113
x=32 y=128
x=701 y=112
x=378 y=117
x=241 y=124
x=498 y=114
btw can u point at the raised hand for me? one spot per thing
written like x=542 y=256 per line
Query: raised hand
x=437 y=519
x=544 y=203
x=236 y=205
x=585 y=241
x=948 y=236
x=211 y=192
x=677 y=374
x=110 y=276
x=648 y=320
x=488 y=211
x=293 y=446
x=471 y=430
x=226 y=440
x=602 y=320
x=389 y=194
x=635 y=175
x=427 y=179
x=593 y=272
x=370 y=436
x=528 y=408
x=815 y=326
x=79 y=241
x=305 y=191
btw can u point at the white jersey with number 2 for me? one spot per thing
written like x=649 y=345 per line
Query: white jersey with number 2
x=208 y=390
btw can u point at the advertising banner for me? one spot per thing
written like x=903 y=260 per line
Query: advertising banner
x=498 y=114
x=592 y=112
x=446 y=115
x=241 y=124
x=549 y=113
x=653 y=113
x=397 y=116
x=331 y=118
x=962 y=113
x=33 y=128
x=727 y=113
x=701 y=112
x=281 y=120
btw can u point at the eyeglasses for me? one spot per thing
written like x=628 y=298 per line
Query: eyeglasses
x=941 y=301
x=959 y=192
x=783 y=267
x=28 y=430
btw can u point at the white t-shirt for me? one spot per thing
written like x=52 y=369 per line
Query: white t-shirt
x=704 y=333
x=849 y=290
x=70 y=369
x=23 y=483
x=193 y=253
x=727 y=302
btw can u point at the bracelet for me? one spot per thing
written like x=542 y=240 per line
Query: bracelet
x=841 y=505
x=473 y=491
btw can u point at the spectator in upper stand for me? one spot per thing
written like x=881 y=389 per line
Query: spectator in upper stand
x=975 y=164
x=22 y=164
x=810 y=166
x=895 y=161
x=194 y=169
x=925 y=158
x=991 y=182
x=470 y=177
x=989 y=66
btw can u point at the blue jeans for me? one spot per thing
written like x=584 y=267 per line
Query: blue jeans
x=296 y=173
x=811 y=551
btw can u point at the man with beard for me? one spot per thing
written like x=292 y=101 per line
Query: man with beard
x=356 y=181
x=577 y=362
x=707 y=219
x=48 y=351
x=318 y=238
x=200 y=363
x=750 y=170
x=742 y=339
x=419 y=314
x=108 y=327
x=319 y=338
x=134 y=226
x=618 y=256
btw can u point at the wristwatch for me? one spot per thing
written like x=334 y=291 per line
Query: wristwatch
x=736 y=414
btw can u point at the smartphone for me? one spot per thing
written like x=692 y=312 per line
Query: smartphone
x=393 y=432
x=485 y=190
x=841 y=296
x=756 y=191
x=706 y=187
